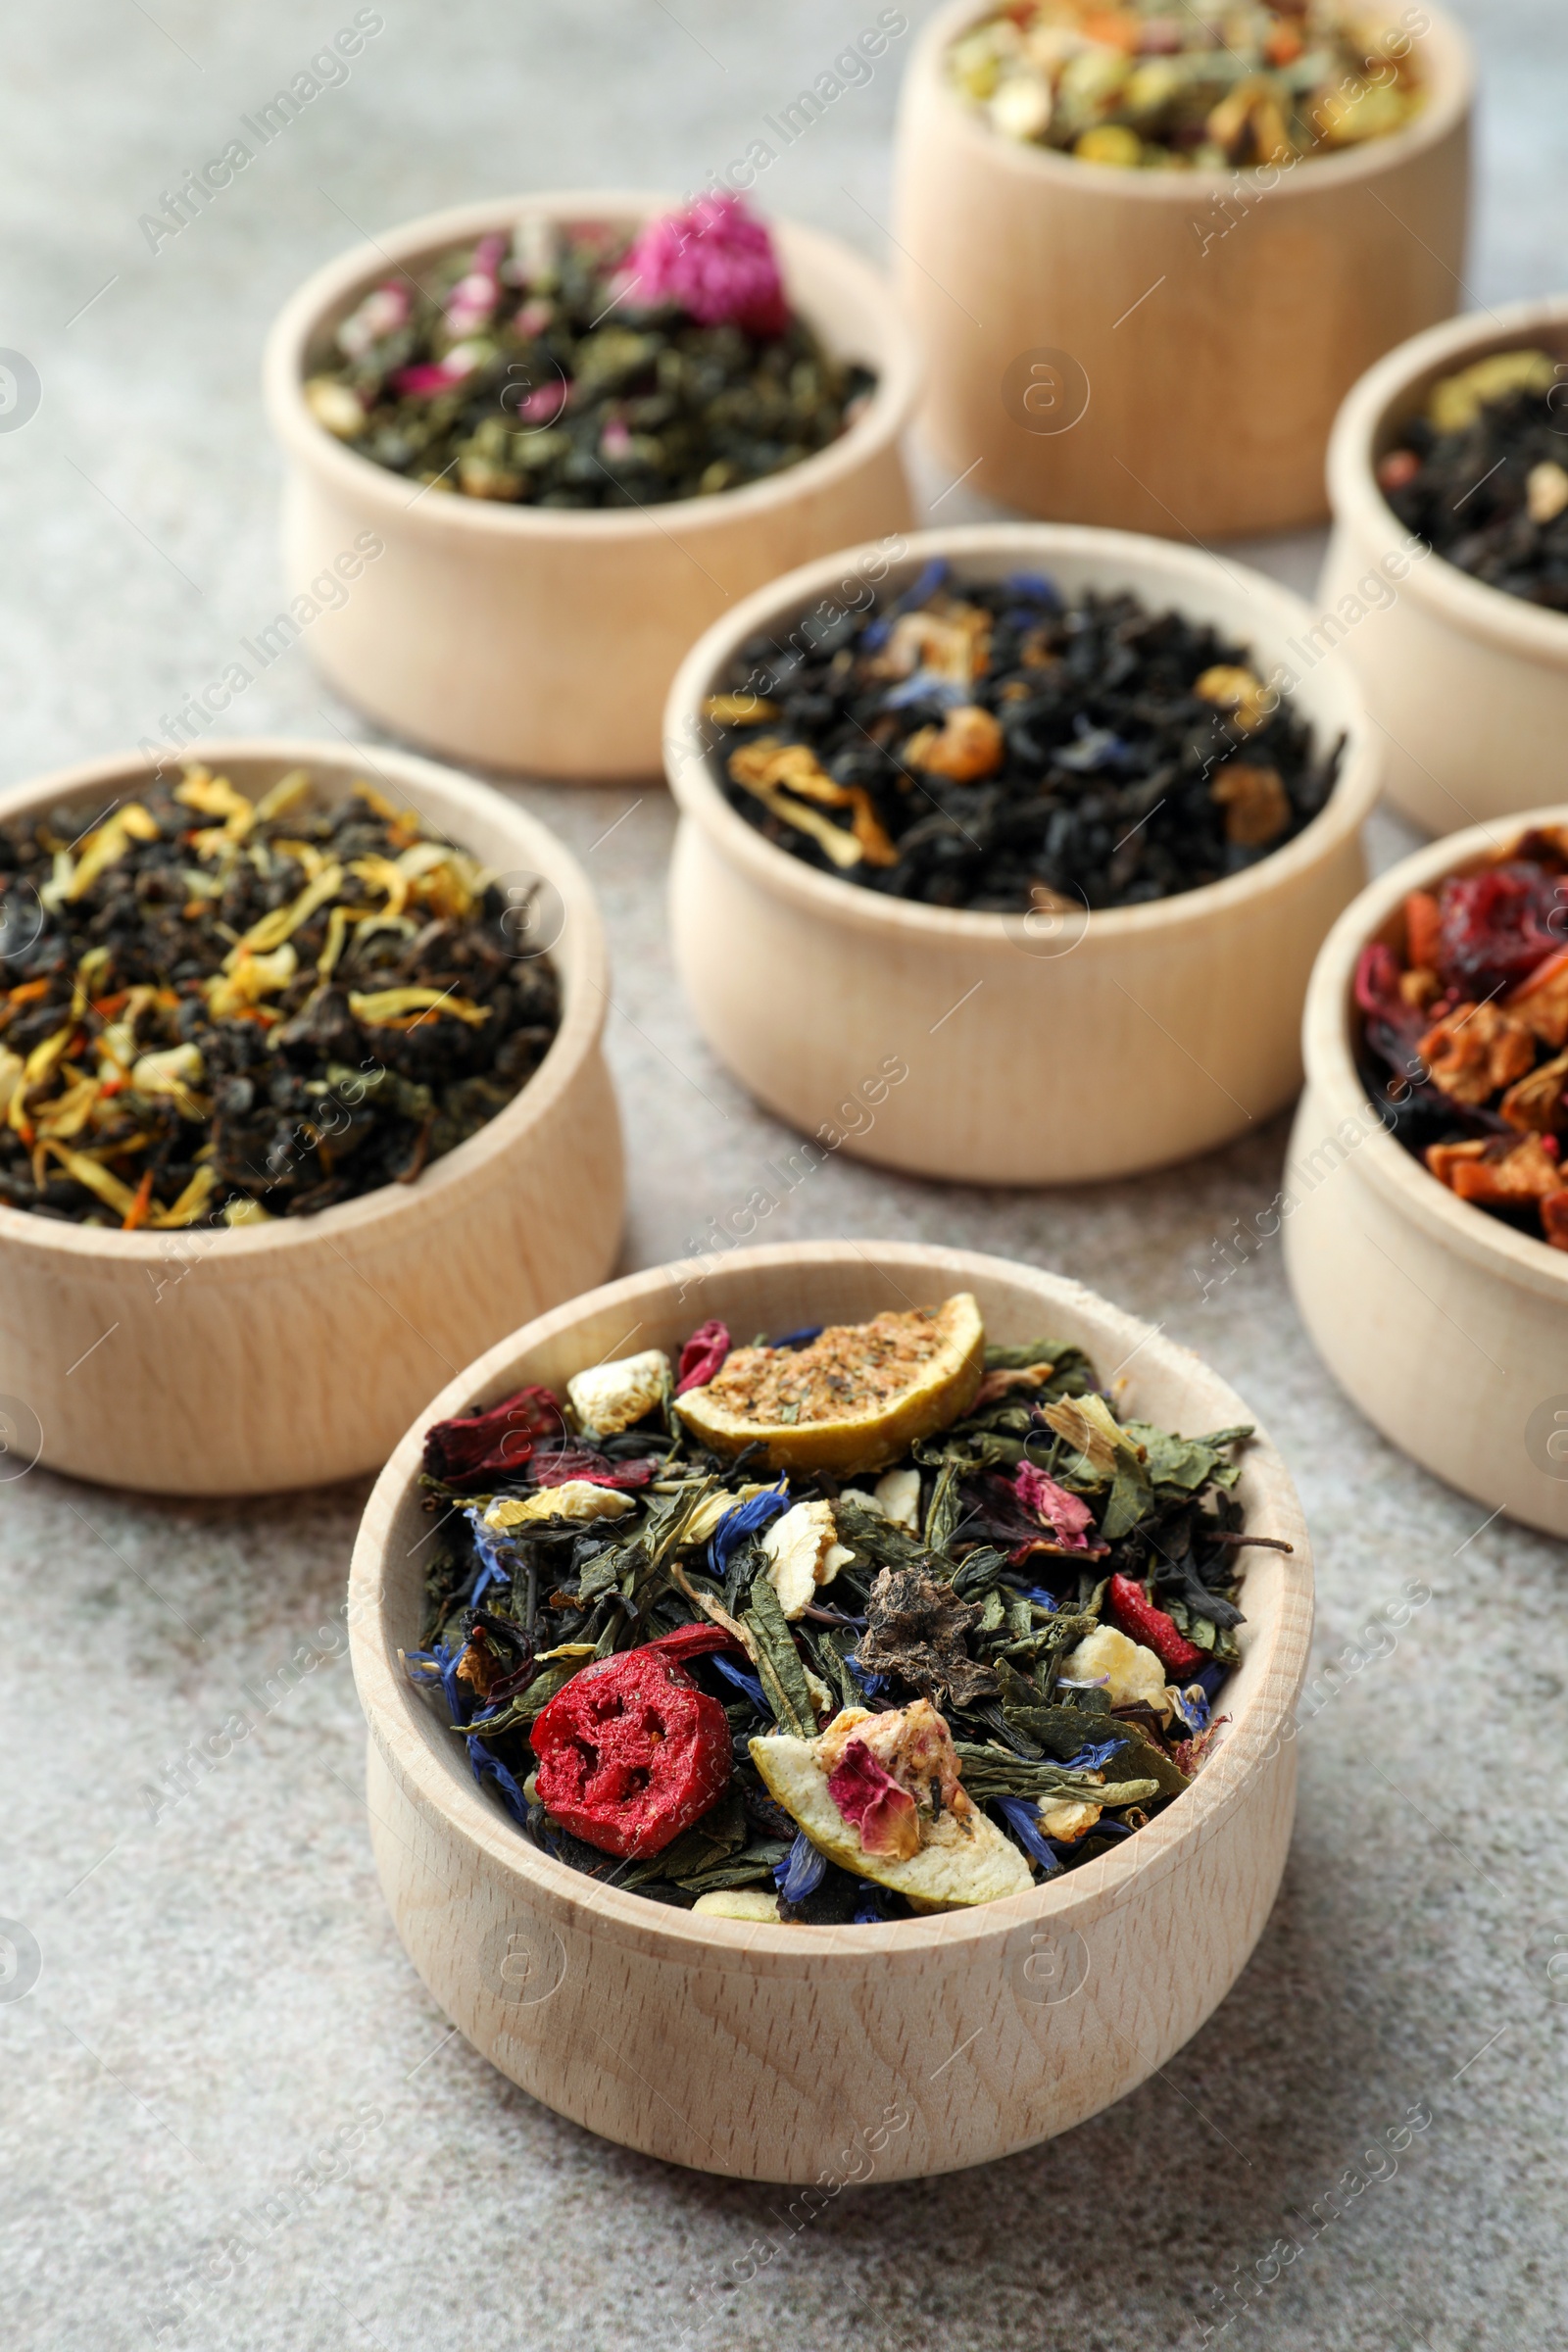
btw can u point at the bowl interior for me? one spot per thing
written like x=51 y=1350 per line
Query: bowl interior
x=472 y=817
x=780 y=1290
x=1252 y=611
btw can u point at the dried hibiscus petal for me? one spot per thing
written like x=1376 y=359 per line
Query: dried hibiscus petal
x=491 y=1445
x=1494 y=927
x=631 y=1753
x=703 y=1356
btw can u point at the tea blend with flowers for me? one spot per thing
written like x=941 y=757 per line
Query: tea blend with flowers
x=992 y=746
x=1472 y=1018
x=834 y=1626
x=1162 y=85
x=1481 y=474
x=585 y=365
x=215 y=1010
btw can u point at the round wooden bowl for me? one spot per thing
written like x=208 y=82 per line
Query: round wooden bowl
x=1443 y=1324
x=766 y=2051
x=534 y=638
x=1036 y=1050
x=219 y=1361
x=1211 y=320
x=1469 y=686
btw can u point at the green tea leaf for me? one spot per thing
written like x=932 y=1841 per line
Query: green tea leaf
x=779 y=1662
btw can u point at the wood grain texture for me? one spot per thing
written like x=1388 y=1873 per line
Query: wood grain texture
x=219 y=1363
x=1038 y=1050
x=1469 y=686
x=1443 y=1324
x=530 y=638
x=1214 y=367
x=763 y=2051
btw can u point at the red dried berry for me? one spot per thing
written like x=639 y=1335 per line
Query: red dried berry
x=1141 y=1621
x=1399 y=469
x=478 y=1446
x=631 y=1753
x=1494 y=927
x=703 y=1356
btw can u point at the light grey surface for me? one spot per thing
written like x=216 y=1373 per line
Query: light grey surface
x=220 y=1991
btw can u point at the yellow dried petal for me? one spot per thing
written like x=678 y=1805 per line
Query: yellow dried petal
x=386 y=1004
x=89 y=1173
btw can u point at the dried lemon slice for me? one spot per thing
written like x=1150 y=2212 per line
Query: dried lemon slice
x=857 y=1397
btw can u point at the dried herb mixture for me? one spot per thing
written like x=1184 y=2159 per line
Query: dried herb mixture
x=832 y=1627
x=1481 y=474
x=992 y=746
x=215 y=1010
x=585 y=366
x=1470 y=1012
x=1163 y=85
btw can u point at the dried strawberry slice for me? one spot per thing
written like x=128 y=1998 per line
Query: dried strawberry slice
x=631 y=1753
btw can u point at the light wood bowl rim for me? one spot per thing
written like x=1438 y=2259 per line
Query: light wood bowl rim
x=1331 y=1074
x=1154 y=567
x=444 y=1790
x=1451 y=67
x=1363 y=431
x=245 y=1252
x=807 y=253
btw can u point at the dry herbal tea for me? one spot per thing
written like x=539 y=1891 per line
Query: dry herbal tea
x=837 y=1626
x=1472 y=1018
x=992 y=746
x=215 y=1010
x=1164 y=85
x=1481 y=476
x=584 y=366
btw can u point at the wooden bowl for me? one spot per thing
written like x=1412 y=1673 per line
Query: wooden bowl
x=231 y=1362
x=1211 y=320
x=529 y=637
x=1035 y=1051
x=767 y=2051
x=1443 y=1324
x=1468 y=685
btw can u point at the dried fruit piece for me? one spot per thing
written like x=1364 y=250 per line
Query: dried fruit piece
x=802 y=1552
x=609 y=1397
x=1475 y=1049
x=631 y=1753
x=1130 y=1672
x=1509 y=1178
x=1240 y=691
x=1256 y=804
x=576 y=1499
x=854 y=1398
x=961 y=1858
x=1142 y=1622
x=1542 y=1002
x=967 y=745
x=1538 y=1099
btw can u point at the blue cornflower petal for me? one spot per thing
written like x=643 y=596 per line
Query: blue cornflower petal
x=489 y=1767
x=875 y=634
x=743 y=1521
x=802 y=1337
x=744 y=1682
x=873 y=1685
x=1095 y=1757
x=1095 y=748
x=800 y=1872
x=493 y=1550
x=448 y=1661
x=1104 y=1827
x=1035 y=584
x=1023 y=1819
x=923 y=587
x=1192 y=1705
x=871 y=1910
x=925 y=687
x=1210 y=1677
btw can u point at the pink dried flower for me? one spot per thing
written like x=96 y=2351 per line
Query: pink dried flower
x=438 y=376
x=717 y=262
x=382 y=311
x=472 y=301
x=1067 y=1516
x=545 y=405
x=701 y=1357
x=614 y=442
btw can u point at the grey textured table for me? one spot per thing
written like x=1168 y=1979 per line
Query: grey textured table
x=222 y=2001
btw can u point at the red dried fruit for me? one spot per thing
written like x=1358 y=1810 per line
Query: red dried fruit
x=1399 y=469
x=703 y=1356
x=496 y=1444
x=1494 y=927
x=695 y=1641
x=631 y=1753
x=1423 y=924
x=1141 y=1621
x=872 y=1802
